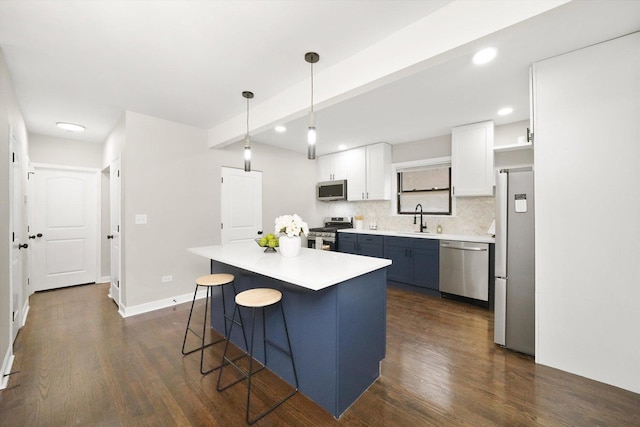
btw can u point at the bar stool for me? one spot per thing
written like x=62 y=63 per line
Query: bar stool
x=209 y=282
x=259 y=298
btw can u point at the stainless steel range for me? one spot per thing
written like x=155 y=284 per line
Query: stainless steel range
x=328 y=233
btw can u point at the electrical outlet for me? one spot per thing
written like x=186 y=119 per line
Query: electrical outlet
x=166 y=279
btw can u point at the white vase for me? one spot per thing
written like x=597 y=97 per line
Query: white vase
x=290 y=246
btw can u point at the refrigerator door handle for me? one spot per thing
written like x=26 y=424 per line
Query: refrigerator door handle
x=502 y=204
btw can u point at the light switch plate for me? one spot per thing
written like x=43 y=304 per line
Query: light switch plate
x=141 y=219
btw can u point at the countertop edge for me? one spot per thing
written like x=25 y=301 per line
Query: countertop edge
x=433 y=236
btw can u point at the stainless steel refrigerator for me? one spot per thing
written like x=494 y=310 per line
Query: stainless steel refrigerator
x=514 y=312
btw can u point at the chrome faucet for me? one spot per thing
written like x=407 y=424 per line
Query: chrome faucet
x=423 y=226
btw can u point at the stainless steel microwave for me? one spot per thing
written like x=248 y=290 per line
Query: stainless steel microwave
x=332 y=190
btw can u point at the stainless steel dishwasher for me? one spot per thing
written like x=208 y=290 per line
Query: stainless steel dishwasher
x=464 y=269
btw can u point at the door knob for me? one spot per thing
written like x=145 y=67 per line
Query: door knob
x=39 y=235
x=110 y=236
x=22 y=245
x=260 y=233
x=32 y=237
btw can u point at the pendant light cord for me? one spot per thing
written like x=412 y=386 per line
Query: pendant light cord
x=312 y=86
x=247 y=116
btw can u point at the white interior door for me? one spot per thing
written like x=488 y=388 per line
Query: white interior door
x=114 y=229
x=241 y=205
x=66 y=221
x=18 y=240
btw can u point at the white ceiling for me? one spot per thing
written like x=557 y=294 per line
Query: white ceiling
x=188 y=61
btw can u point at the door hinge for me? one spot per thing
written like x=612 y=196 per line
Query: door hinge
x=118 y=173
x=28 y=281
x=13 y=316
x=118 y=228
x=13 y=236
x=118 y=284
x=221 y=226
x=222 y=180
x=13 y=157
x=529 y=135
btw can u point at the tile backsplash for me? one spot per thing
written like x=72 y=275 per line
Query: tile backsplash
x=473 y=216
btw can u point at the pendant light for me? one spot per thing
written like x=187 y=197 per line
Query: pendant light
x=311 y=58
x=247 y=139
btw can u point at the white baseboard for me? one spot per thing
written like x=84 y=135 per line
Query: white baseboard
x=25 y=312
x=7 y=363
x=159 y=304
x=104 y=279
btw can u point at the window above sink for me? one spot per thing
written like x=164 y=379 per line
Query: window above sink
x=425 y=182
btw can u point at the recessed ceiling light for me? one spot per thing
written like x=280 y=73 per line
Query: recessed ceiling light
x=342 y=147
x=70 y=127
x=485 y=55
x=505 y=111
x=280 y=129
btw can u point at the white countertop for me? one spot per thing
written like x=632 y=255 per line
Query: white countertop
x=312 y=269
x=458 y=237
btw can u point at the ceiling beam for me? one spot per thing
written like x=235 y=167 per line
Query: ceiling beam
x=403 y=53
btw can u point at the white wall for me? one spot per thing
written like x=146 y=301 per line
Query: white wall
x=169 y=174
x=587 y=154
x=10 y=115
x=61 y=151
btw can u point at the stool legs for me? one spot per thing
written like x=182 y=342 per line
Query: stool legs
x=209 y=295
x=250 y=373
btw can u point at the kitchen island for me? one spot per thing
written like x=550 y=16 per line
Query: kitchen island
x=335 y=306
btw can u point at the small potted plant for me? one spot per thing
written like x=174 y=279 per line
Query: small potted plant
x=290 y=228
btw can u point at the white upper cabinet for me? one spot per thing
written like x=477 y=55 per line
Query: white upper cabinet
x=472 y=159
x=332 y=167
x=369 y=173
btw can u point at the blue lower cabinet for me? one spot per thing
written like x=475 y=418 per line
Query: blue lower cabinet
x=416 y=261
x=361 y=244
x=401 y=269
x=347 y=243
x=426 y=268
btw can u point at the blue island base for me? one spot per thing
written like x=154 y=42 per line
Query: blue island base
x=338 y=334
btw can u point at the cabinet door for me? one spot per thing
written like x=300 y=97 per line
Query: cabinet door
x=426 y=268
x=332 y=167
x=347 y=243
x=401 y=269
x=472 y=159
x=356 y=174
x=370 y=249
x=378 y=172
x=340 y=165
x=325 y=168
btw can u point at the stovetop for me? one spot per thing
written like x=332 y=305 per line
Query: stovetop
x=332 y=224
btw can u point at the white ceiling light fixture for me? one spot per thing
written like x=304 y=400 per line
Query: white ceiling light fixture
x=70 y=127
x=484 y=56
x=311 y=58
x=505 y=111
x=280 y=129
x=247 y=139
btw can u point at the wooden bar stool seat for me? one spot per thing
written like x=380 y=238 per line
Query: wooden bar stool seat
x=209 y=281
x=259 y=298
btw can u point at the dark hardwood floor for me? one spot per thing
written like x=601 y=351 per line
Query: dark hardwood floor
x=81 y=364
